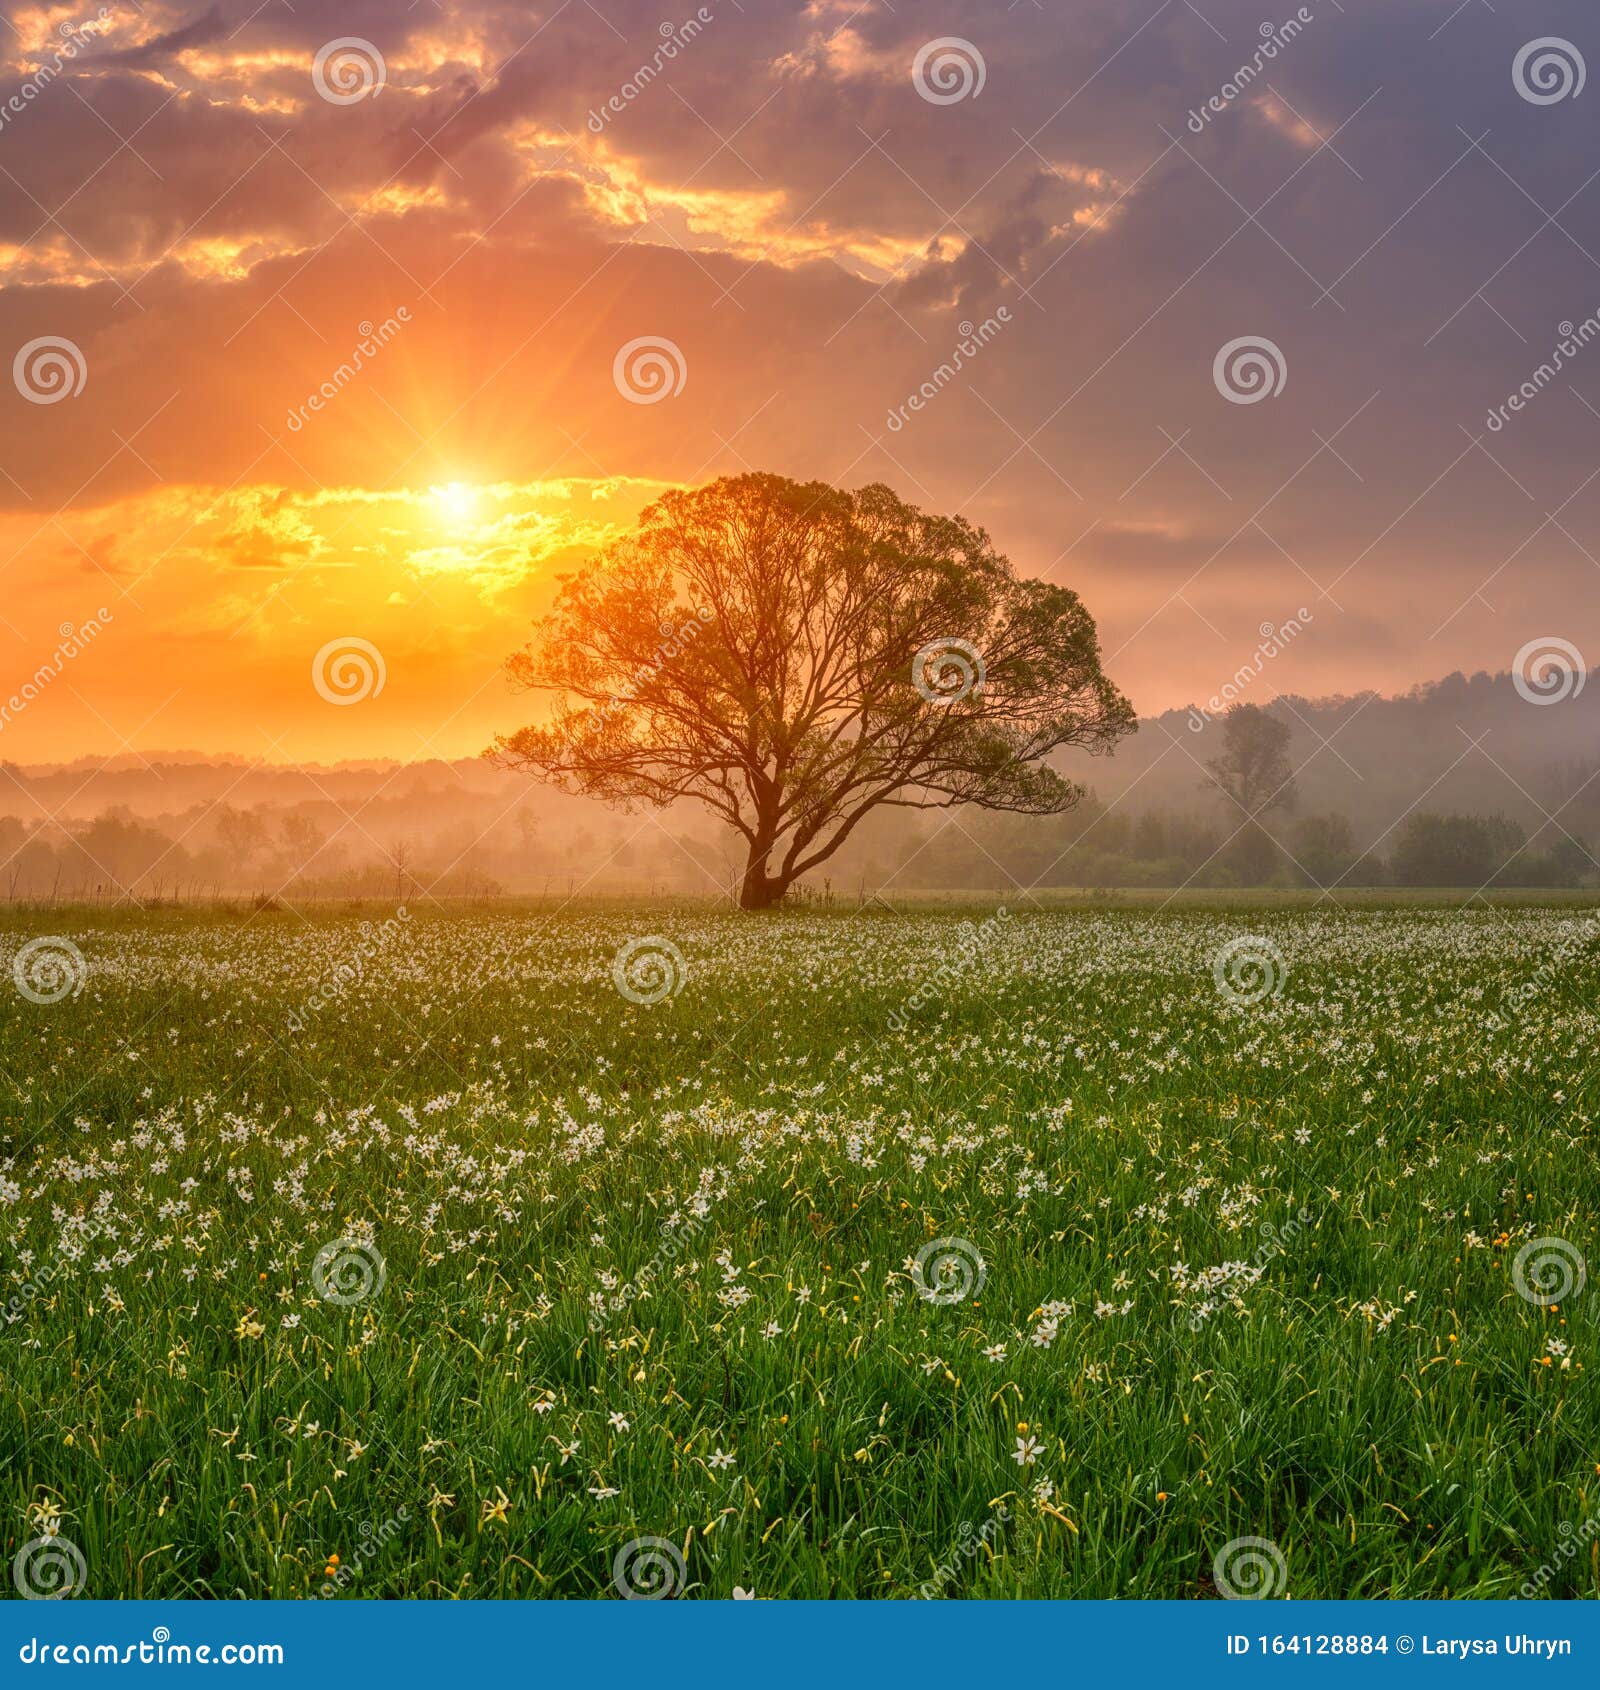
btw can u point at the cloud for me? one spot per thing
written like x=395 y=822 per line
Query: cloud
x=777 y=200
x=204 y=29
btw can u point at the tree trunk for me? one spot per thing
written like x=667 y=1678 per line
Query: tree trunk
x=759 y=891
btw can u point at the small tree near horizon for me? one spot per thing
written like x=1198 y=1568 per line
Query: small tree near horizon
x=794 y=656
x=1252 y=769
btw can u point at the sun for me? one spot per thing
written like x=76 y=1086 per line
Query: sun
x=457 y=500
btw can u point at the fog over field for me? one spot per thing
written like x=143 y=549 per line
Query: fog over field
x=186 y=825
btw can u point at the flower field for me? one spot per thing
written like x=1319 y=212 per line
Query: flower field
x=649 y=1251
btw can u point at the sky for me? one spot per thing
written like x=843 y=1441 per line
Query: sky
x=1241 y=297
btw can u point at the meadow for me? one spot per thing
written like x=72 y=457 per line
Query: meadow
x=626 y=1250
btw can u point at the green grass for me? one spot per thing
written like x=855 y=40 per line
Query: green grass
x=1069 y=1091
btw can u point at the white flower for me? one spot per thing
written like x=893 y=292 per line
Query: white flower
x=721 y=1459
x=1027 y=1451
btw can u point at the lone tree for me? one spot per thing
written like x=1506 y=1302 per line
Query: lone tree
x=795 y=656
x=1253 y=770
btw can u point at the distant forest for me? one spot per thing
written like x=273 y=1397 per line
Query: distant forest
x=1460 y=783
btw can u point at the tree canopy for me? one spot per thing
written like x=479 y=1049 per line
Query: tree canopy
x=1252 y=769
x=794 y=656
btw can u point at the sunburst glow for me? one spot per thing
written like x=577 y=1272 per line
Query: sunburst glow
x=457 y=501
